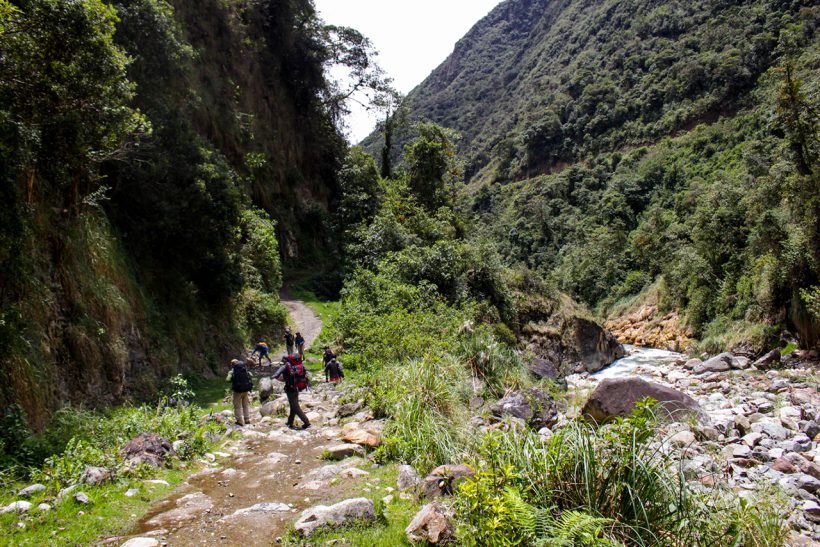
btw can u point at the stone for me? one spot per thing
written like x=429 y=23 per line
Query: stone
x=772 y=430
x=44 y=507
x=342 y=451
x=82 y=498
x=596 y=347
x=740 y=362
x=268 y=409
x=741 y=451
x=545 y=432
x=614 y=397
x=534 y=406
x=141 y=542
x=718 y=363
x=131 y=492
x=146 y=448
x=30 y=490
x=692 y=363
x=348 y=409
x=811 y=429
x=92 y=476
x=366 y=434
x=544 y=368
x=476 y=403
x=16 y=507
x=188 y=507
x=770 y=360
x=259 y=508
x=408 y=478
x=433 y=524
x=783 y=465
x=345 y=512
x=265 y=389
x=442 y=480
x=808 y=483
x=811 y=509
x=752 y=439
x=66 y=491
x=682 y=438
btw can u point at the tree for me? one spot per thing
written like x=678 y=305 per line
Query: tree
x=432 y=166
x=390 y=103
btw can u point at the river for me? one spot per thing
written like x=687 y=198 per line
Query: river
x=637 y=356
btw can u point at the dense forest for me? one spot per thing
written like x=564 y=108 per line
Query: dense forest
x=159 y=161
x=633 y=149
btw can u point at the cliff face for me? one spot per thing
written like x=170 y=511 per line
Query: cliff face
x=151 y=248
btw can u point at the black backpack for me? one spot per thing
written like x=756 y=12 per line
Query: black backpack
x=241 y=380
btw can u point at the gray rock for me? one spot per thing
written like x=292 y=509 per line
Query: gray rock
x=811 y=429
x=141 y=542
x=433 y=524
x=718 y=363
x=614 y=397
x=66 y=491
x=774 y=431
x=811 y=509
x=408 y=478
x=323 y=516
x=682 y=438
x=16 y=507
x=770 y=360
x=752 y=439
x=268 y=409
x=131 y=492
x=807 y=482
x=442 y=480
x=342 y=451
x=544 y=368
x=349 y=409
x=692 y=363
x=265 y=389
x=44 y=507
x=534 y=406
x=29 y=491
x=146 y=448
x=739 y=362
x=189 y=507
x=264 y=507
x=92 y=476
x=82 y=497
x=741 y=451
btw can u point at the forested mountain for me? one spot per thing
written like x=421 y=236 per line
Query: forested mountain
x=152 y=153
x=612 y=144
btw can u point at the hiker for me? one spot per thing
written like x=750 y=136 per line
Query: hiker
x=293 y=373
x=300 y=345
x=328 y=356
x=334 y=372
x=288 y=340
x=264 y=350
x=242 y=384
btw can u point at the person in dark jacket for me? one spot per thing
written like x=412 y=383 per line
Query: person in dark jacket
x=288 y=336
x=285 y=374
x=333 y=371
x=242 y=384
x=328 y=356
x=300 y=345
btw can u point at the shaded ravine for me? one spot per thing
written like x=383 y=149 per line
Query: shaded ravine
x=265 y=469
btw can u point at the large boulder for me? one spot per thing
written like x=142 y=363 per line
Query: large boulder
x=432 y=524
x=544 y=369
x=146 y=448
x=595 y=346
x=366 y=434
x=265 y=389
x=340 y=514
x=721 y=363
x=616 y=397
x=92 y=476
x=443 y=479
x=770 y=360
x=533 y=406
x=29 y=491
x=342 y=451
x=408 y=478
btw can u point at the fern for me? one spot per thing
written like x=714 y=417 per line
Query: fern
x=574 y=528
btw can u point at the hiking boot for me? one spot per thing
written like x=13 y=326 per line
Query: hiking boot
x=305 y=426
x=291 y=426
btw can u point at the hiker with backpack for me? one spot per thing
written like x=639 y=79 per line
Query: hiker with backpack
x=242 y=384
x=333 y=371
x=288 y=340
x=328 y=356
x=293 y=373
x=300 y=345
x=263 y=350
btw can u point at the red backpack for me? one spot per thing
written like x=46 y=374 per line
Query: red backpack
x=297 y=373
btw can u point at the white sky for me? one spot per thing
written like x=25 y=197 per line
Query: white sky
x=412 y=37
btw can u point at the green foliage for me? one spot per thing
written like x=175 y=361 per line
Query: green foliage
x=431 y=165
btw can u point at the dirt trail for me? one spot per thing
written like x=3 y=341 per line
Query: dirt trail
x=253 y=489
x=307 y=322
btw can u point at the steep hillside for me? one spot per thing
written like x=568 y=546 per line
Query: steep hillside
x=153 y=155
x=574 y=104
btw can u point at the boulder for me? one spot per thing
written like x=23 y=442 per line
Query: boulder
x=92 y=476
x=146 y=448
x=16 y=507
x=260 y=508
x=268 y=409
x=616 y=397
x=265 y=389
x=29 y=491
x=811 y=429
x=718 y=363
x=189 y=507
x=366 y=434
x=340 y=514
x=534 y=406
x=544 y=368
x=82 y=498
x=770 y=360
x=342 y=451
x=443 y=479
x=596 y=347
x=408 y=478
x=349 y=409
x=692 y=363
x=433 y=524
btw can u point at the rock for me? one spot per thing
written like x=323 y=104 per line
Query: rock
x=141 y=542
x=616 y=397
x=770 y=360
x=476 y=403
x=29 y=491
x=742 y=424
x=342 y=451
x=268 y=409
x=595 y=346
x=16 y=507
x=545 y=432
x=772 y=430
x=682 y=438
x=131 y=492
x=534 y=406
x=66 y=491
x=349 y=409
x=811 y=429
x=82 y=497
x=442 y=480
x=146 y=448
x=783 y=465
x=544 y=368
x=752 y=439
x=188 y=507
x=808 y=483
x=92 y=476
x=264 y=507
x=44 y=507
x=739 y=362
x=323 y=516
x=741 y=451
x=812 y=510
x=692 y=363
x=408 y=478
x=718 y=363
x=432 y=524
x=367 y=434
x=265 y=389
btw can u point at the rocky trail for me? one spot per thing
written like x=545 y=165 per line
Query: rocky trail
x=254 y=487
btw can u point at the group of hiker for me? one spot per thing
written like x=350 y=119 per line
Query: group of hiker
x=291 y=371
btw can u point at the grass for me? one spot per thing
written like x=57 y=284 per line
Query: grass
x=110 y=513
